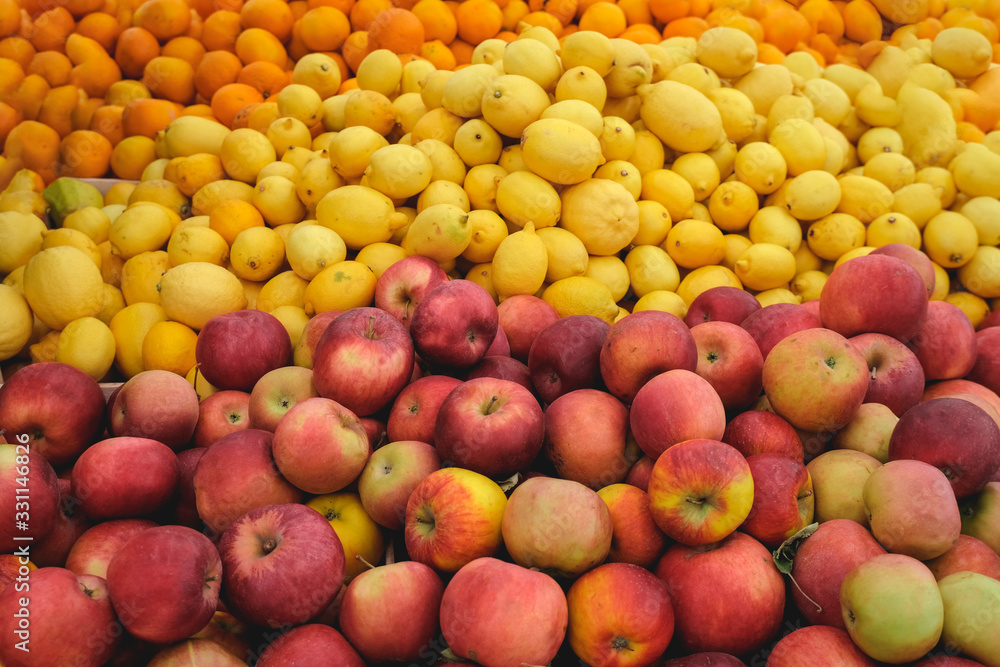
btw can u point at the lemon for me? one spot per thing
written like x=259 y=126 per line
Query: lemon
x=654 y=223
x=311 y=248
x=664 y=301
x=351 y=149
x=696 y=76
x=202 y=387
x=195 y=292
x=481 y=183
x=761 y=166
x=278 y=202
x=705 y=278
x=113 y=302
x=649 y=153
x=682 y=117
x=764 y=84
x=462 y=93
x=215 y=193
x=414 y=73
x=651 y=269
x=169 y=346
x=773 y=224
x=441 y=232
x=488 y=230
x=617 y=138
x=962 y=51
x=287 y=132
x=728 y=51
x=812 y=194
x=735 y=245
x=18 y=322
x=976 y=171
x=878 y=140
x=580 y=295
x=438 y=124
x=788 y=107
x=381 y=70
x=829 y=101
x=981 y=274
x=893 y=170
x=917 y=201
x=380 y=256
x=511 y=159
x=601 y=213
x=62 y=284
x=700 y=171
x=196 y=244
x=315 y=180
x=139 y=229
x=833 y=235
x=736 y=110
x=520 y=263
x=733 y=205
x=318 y=71
x=950 y=239
x=20 y=238
x=892 y=228
x=399 y=171
x=670 y=189
x=808 y=285
x=284 y=289
x=342 y=286
x=446 y=163
x=582 y=83
x=408 y=109
x=579 y=112
x=860 y=251
x=523 y=197
x=432 y=87
x=807 y=260
x=588 y=48
x=359 y=215
x=984 y=213
x=764 y=266
x=624 y=173
x=943 y=183
x=560 y=151
x=974 y=306
x=257 y=253
x=129 y=327
x=141 y=275
x=693 y=243
x=476 y=142
x=777 y=295
x=567 y=256
x=631 y=68
x=90 y=220
x=482 y=275
x=535 y=60
x=611 y=271
x=87 y=343
x=75 y=238
x=294 y=319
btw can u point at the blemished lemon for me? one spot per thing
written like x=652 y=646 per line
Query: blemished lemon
x=582 y=83
x=601 y=213
x=735 y=245
x=561 y=151
x=257 y=253
x=650 y=269
x=380 y=256
x=662 y=300
x=693 y=243
x=482 y=275
x=315 y=180
x=777 y=295
x=92 y=221
x=670 y=189
x=139 y=229
x=488 y=230
x=311 y=248
x=399 y=171
x=523 y=197
x=62 y=284
x=812 y=194
x=87 y=343
x=773 y=224
x=704 y=278
x=833 y=235
x=764 y=266
x=284 y=289
x=520 y=263
x=950 y=239
x=113 y=302
x=566 y=253
x=476 y=142
x=18 y=322
x=195 y=292
x=202 y=387
x=681 y=116
x=624 y=173
x=75 y=238
x=294 y=319
x=654 y=223
x=359 y=215
x=761 y=166
x=129 y=327
x=169 y=346
x=580 y=295
x=342 y=286
x=892 y=228
x=318 y=71
x=196 y=244
x=733 y=205
x=141 y=274
x=610 y=270
x=381 y=70
x=441 y=232
x=808 y=285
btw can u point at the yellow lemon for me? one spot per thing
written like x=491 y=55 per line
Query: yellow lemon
x=285 y=289
x=195 y=292
x=588 y=48
x=892 y=228
x=438 y=124
x=311 y=248
x=984 y=214
x=113 y=302
x=829 y=101
x=950 y=239
x=87 y=343
x=535 y=60
x=523 y=197
x=681 y=116
x=482 y=275
x=981 y=274
x=139 y=229
x=462 y=93
x=736 y=110
x=443 y=192
x=580 y=295
x=567 y=256
x=975 y=171
x=488 y=230
x=863 y=197
x=315 y=180
x=705 y=278
x=278 y=202
x=733 y=205
x=833 y=235
x=512 y=159
x=446 y=163
x=700 y=171
x=582 y=83
x=654 y=223
x=974 y=306
x=601 y=213
x=476 y=142
x=777 y=295
x=761 y=166
x=196 y=244
x=693 y=243
x=579 y=112
x=764 y=266
x=696 y=76
x=75 y=238
x=45 y=349
x=342 y=286
x=441 y=232
x=860 y=251
x=942 y=181
x=878 y=140
x=202 y=387
x=399 y=171
x=216 y=192
x=141 y=275
x=62 y=284
x=812 y=195
x=735 y=245
x=918 y=201
x=381 y=70
x=808 y=285
x=729 y=52
x=169 y=346
x=649 y=153
x=18 y=322
x=287 y=132
x=432 y=87
x=964 y=52
x=351 y=149
x=359 y=215
x=662 y=300
x=129 y=327
x=800 y=143
x=318 y=71
x=622 y=172
x=90 y=220
x=773 y=224
x=560 y=151
x=197 y=170
x=380 y=256
x=481 y=183
x=807 y=260
x=764 y=84
x=893 y=170
x=617 y=138
x=611 y=271
x=257 y=253
x=670 y=189
x=520 y=263
x=294 y=319
x=119 y=193
x=650 y=269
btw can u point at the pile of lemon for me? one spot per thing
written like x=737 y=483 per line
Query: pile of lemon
x=604 y=176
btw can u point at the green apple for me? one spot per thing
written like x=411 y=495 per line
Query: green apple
x=981 y=515
x=358 y=532
x=972 y=615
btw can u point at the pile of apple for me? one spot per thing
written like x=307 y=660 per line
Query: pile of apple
x=552 y=490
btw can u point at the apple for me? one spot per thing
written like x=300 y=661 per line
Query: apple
x=227 y=631
x=728 y=357
x=705 y=659
x=700 y=491
x=502 y=368
x=405 y=283
x=220 y=414
x=522 y=317
x=986 y=368
x=236 y=349
x=771 y=324
x=759 y=431
x=158 y=405
x=675 y=406
x=635 y=537
x=453 y=517
x=727 y=596
x=390 y=476
x=390 y=613
x=721 y=304
x=107 y=482
x=500 y=347
x=971 y=623
x=955 y=436
x=59 y=618
x=838 y=479
x=819 y=645
x=493 y=427
x=912 y=509
x=363 y=359
x=783 y=500
x=981 y=515
x=498 y=613
x=194 y=653
x=375 y=429
x=29 y=490
x=557 y=525
x=642 y=345
x=312 y=644
x=991 y=320
x=415 y=409
x=821 y=562
x=276 y=392
x=961 y=386
x=305 y=348
x=896 y=376
x=968 y=555
x=815 y=379
x=359 y=535
x=566 y=356
x=186 y=508
x=165 y=582
x=13 y=566
x=619 y=613
x=976 y=399
x=71 y=522
x=320 y=446
x=235 y=475
x=57 y=407
x=586 y=438
x=945 y=343
x=915 y=258
x=282 y=565
x=95 y=548
x=454 y=324
x=892 y=608
x=638 y=475
x=869 y=432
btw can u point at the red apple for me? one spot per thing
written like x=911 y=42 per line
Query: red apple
x=675 y=406
x=986 y=369
x=107 y=482
x=415 y=409
x=968 y=555
x=502 y=368
x=705 y=659
x=522 y=317
x=945 y=343
x=220 y=414
x=759 y=431
x=320 y=446
x=71 y=522
x=502 y=614
x=165 y=582
x=194 y=653
x=915 y=258
x=312 y=644
x=990 y=321
x=362 y=360
x=566 y=356
x=896 y=374
x=305 y=348
x=727 y=596
x=643 y=345
x=635 y=537
x=819 y=645
x=944 y=660
x=700 y=491
x=57 y=407
x=772 y=324
x=29 y=493
x=721 y=304
x=405 y=283
x=500 y=347
x=869 y=432
x=619 y=614
x=375 y=429
x=961 y=386
x=454 y=324
x=235 y=349
x=276 y=392
x=186 y=508
x=228 y=632
x=728 y=357
x=390 y=476
x=640 y=472
x=838 y=478
x=93 y=550
x=158 y=405
x=783 y=500
x=586 y=438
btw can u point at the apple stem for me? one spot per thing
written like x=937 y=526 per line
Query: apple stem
x=360 y=558
x=695 y=501
x=818 y=607
x=873 y=373
x=489 y=406
x=370 y=331
x=269 y=545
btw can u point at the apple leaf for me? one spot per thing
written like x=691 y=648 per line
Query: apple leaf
x=784 y=555
x=450 y=656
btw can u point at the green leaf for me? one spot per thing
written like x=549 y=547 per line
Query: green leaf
x=784 y=555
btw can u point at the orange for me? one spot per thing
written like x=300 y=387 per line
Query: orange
x=80 y=8
x=188 y=49
x=513 y=13
x=206 y=8
x=438 y=20
x=669 y=10
x=164 y=18
x=10 y=17
x=606 y=18
x=56 y=108
x=85 y=154
x=862 y=22
x=101 y=27
x=255 y=44
x=131 y=156
x=215 y=70
x=462 y=51
x=107 y=121
x=275 y=16
x=823 y=17
x=230 y=98
x=364 y=12
x=343 y=5
x=36 y=145
x=266 y=77
x=563 y=10
x=51 y=29
x=642 y=33
x=170 y=79
x=146 y=117
x=135 y=47
x=398 y=30
x=95 y=76
x=17 y=49
x=52 y=65
x=688 y=26
x=11 y=76
x=785 y=28
x=29 y=95
x=9 y=118
x=540 y=19
x=354 y=50
x=232 y=216
x=83 y=114
x=220 y=30
x=324 y=29
x=731 y=19
x=438 y=54
x=478 y=20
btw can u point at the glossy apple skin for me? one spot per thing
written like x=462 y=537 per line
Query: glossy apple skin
x=896 y=376
x=700 y=469
x=915 y=258
x=820 y=645
x=26 y=477
x=71 y=522
x=455 y=324
x=228 y=632
x=727 y=596
x=986 y=370
x=415 y=409
x=236 y=349
x=968 y=555
x=159 y=405
x=93 y=550
x=405 y=283
x=195 y=652
x=675 y=406
x=956 y=436
x=485 y=613
x=106 y=483
x=962 y=386
x=619 y=614
x=721 y=304
x=945 y=343
x=220 y=414
x=705 y=659
x=276 y=392
x=783 y=499
x=390 y=613
x=282 y=565
x=566 y=356
x=71 y=620
x=640 y=472
x=869 y=432
x=642 y=345
x=635 y=536
x=502 y=368
x=59 y=407
x=971 y=625
x=772 y=324
x=981 y=515
x=586 y=438
x=728 y=357
x=359 y=535
x=165 y=582
x=822 y=561
x=500 y=347
x=522 y=317
x=838 y=479
x=390 y=476
x=305 y=348
x=186 y=508
x=758 y=431
x=363 y=359
x=312 y=644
